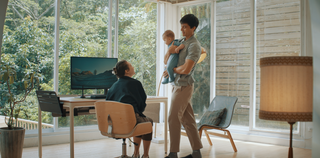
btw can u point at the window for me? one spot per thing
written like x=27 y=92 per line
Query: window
x=28 y=45
x=233 y=55
x=278 y=34
x=137 y=40
x=84 y=33
x=201 y=94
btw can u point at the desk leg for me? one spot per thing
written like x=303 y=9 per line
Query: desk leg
x=39 y=133
x=165 y=127
x=71 y=132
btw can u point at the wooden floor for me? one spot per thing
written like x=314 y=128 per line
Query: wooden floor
x=109 y=148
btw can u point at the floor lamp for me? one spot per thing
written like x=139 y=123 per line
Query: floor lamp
x=286 y=90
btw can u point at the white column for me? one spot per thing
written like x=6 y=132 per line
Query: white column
x=315 y=27
x=253 y=68
x=160 y=52
x=172 y=18
x=306 y=50
x=110 y=30
x=168 y=18
x=159 y=49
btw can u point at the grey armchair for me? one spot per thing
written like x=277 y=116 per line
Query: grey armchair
x=218 y=116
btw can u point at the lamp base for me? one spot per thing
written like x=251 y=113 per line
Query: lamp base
x=290 y=152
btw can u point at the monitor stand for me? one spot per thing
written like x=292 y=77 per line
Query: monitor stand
x=82 y=96
x=105 y=93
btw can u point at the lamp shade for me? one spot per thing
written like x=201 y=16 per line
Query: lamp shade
x=286 y=88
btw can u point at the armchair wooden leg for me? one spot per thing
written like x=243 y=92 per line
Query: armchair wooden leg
x=200 y=132
x=231 y=141
x=184 y=133
x=208 y=138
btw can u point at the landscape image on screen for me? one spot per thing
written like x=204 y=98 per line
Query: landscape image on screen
x=92 y=73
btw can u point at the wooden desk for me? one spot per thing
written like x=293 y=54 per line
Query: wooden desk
x=72 y=102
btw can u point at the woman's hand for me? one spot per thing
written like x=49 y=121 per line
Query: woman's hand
x=165 y=74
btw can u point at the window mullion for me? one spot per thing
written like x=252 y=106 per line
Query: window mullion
x=213 y=50
x=110 y=29
x=253 y=66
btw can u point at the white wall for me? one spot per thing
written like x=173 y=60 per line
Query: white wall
x=315 y=27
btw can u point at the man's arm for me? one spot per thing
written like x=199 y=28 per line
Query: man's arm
x=185 y=68
x=170 y=51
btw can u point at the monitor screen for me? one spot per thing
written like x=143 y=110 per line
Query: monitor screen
x=92 y=72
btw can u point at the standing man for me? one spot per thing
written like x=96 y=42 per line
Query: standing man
x=181 y=111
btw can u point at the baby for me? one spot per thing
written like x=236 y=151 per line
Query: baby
x=168 y=38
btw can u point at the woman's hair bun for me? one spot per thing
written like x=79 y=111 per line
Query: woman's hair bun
x=120 y=68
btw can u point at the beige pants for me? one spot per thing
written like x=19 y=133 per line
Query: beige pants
x=181 y=112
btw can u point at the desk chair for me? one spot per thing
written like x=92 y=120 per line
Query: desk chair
x=118 y=120
x=218 y=116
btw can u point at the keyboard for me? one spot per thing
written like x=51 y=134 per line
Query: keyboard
x=97 y=96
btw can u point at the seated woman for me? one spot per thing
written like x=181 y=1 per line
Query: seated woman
x=130 y=91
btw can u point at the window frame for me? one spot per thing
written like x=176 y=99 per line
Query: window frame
x=251 y=129
x=243 y=133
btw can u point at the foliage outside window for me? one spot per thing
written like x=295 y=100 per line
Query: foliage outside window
x=201 y=94
x=84 y=33
x=137 y=40
x=28 y=40
x=28 y=47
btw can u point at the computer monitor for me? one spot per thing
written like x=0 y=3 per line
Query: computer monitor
x=92 y=73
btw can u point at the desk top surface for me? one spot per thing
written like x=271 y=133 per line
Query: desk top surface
x=78 y=99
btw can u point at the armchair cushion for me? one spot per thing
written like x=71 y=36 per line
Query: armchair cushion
x=212 y=118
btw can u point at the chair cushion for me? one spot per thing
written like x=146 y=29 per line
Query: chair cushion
x=212 y=118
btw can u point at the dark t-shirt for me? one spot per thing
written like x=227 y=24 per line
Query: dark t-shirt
x=130 y=91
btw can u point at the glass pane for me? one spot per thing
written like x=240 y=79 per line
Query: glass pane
x=278 y=34
x=83 y=33
x=233 y=55
x=201 y=94
x=28 y=46
x=137 y=40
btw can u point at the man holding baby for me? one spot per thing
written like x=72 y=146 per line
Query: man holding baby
x=181 y=111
